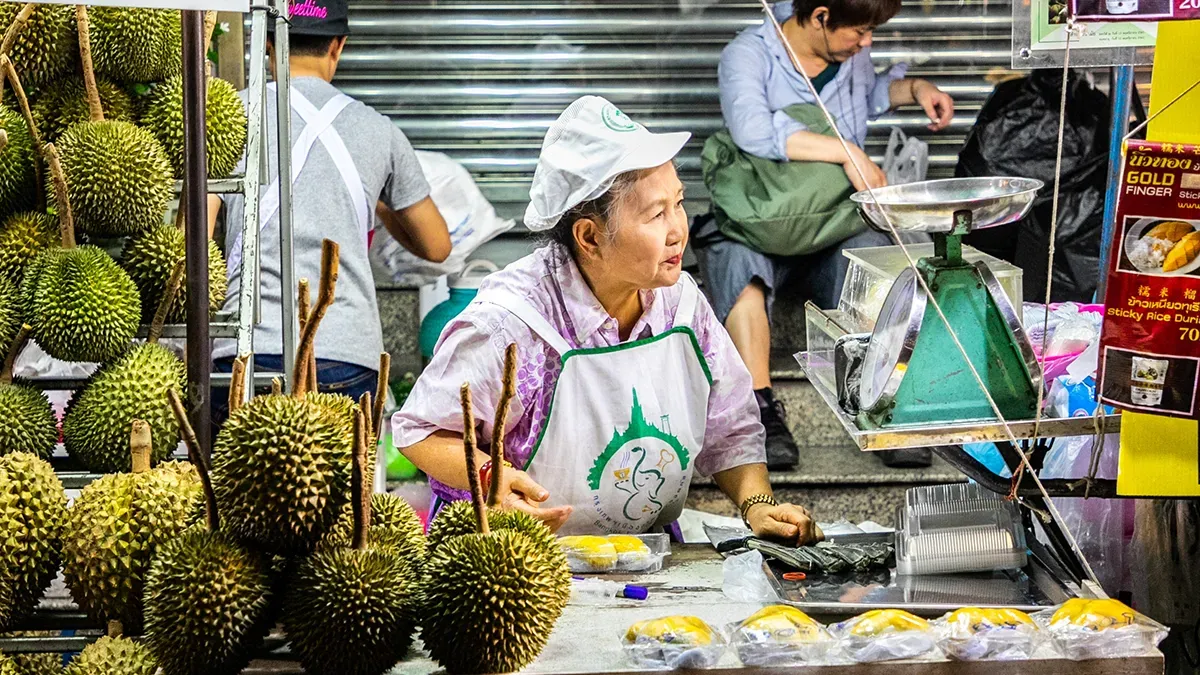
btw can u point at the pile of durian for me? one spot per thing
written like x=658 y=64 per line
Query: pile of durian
x=192 y=565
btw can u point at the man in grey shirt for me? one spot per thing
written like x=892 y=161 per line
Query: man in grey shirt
x=353 y=169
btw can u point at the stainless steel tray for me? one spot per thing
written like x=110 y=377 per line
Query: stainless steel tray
x=953 y=433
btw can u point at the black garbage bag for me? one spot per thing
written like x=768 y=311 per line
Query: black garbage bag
x=1016 y=134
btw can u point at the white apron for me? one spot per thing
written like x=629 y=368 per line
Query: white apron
x=624 y=426
x=318 y=126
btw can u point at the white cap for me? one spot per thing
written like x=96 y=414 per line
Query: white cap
x=586 y=148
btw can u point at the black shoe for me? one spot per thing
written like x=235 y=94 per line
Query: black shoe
x=909 y=458
x=782 y=453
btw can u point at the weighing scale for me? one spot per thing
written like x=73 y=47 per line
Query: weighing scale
x=912 y=372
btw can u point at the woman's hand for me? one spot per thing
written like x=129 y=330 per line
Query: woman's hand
x=875 y=177
x=935 y=102
x=786 y=523
x=519 y=492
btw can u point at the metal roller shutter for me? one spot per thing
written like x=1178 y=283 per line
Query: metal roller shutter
x=481 y=81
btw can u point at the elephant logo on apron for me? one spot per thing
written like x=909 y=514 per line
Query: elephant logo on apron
x=641 y=470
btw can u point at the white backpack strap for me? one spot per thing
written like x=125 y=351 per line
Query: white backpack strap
x=530 y=316
x=315 y=123
x=347 y=169
x=688 y=298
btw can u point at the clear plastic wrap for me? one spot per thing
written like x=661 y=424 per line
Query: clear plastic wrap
x=743 y=579
x=780 y=635
x=974 y=634
x=590 y=554
x=885 y=635
x=1084 y=629
x=674 y=642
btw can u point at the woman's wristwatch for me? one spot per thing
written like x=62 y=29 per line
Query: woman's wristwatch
x=754 y=500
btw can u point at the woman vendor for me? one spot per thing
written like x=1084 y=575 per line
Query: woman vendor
x=627 y=383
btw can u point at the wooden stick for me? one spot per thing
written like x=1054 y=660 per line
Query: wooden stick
x=277 y=387
x=359 y=485
x=381 y=392
x=95 y=109
x=303 y=309
x=181 y=213
x=311 y=372
x=165 y=302
x=140 y=446
x=469 y=448
x=370 y=442
x=237 y=384
x=11 y=73
x=364 y=404
x=197 y=459
x=3 y=139
x=15 y=28
x=10 y=360
x=210 y=25
x=507 y=390
x=66 y=222
x=325 y=294
x=115 y=629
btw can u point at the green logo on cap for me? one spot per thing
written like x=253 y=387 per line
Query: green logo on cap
x=616 y=120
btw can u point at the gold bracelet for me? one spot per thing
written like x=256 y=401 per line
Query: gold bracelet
x=753 y=500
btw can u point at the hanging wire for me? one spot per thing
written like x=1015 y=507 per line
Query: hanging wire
x=931 y=299
x=1164 y=109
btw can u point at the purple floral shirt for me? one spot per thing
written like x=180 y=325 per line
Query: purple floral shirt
x=471 y=349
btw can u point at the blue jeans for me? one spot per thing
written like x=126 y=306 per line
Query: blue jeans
x=333 y=377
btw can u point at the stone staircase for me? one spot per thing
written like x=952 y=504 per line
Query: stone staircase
x=833 y=479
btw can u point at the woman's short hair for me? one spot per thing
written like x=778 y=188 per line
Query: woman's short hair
x=848 y=12
x=599 y=209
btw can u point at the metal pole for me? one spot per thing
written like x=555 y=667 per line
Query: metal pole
x=287 y=270
x=256 y=160
x=195 y=187
x=1122 y=92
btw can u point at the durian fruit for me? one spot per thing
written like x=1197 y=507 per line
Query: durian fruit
x=33 y=507
x=113 y=656
x=115 y=526
x=135 y=44
x=224 y=120
x=64 y=103
x=44 y=49
x=18 y=182
x=82 y=306
x=10 y=315
x=8 y=666
x=48 y=663
x=29 y=422
x=119 y=176
x=492 y=598
x=22 y=237
x=134 y=387
x=149 y=257
x=354 y=610
x=207 y=598
x=392 y=518
x=281 y=463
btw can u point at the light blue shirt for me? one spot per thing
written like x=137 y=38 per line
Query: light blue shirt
x=757 y=82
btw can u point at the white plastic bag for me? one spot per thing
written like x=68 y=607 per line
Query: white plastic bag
x=907 y=159
x=469 y=215
x=744 y=579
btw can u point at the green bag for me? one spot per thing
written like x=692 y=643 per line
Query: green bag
x=780 y=208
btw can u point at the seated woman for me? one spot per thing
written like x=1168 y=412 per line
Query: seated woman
x=627 y=384
x=780 y=179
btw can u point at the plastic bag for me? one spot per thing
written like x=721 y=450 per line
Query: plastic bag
x=885 y=635
x=974 y=634
x=906 y=160
x=674 y=642
x=472 y=221
x=743 y=579
x=1016 y=134
x=1085 y=629
x=780 y=635
x=590 y=554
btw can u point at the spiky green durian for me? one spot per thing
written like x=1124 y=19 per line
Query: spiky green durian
x=96 y=425
x=131 y=44
x=491 y=601
x=46 y=48
x=207 y=604
x=393 y=522
x=8 y=666
x=64 y=104
x=10 y=315
x=33 y=507
x=281 y=467
x=18 y=182
x=113 y=656
x=22 y=237
x=113 y=530
x=149 y=259
x=29 y=422
x=225 y=124
x=38 y=664
x=119 y=177
x=454 y=520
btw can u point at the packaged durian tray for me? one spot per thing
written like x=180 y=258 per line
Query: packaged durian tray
x=588 y=554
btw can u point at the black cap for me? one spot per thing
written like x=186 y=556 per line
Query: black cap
x=318 y=17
